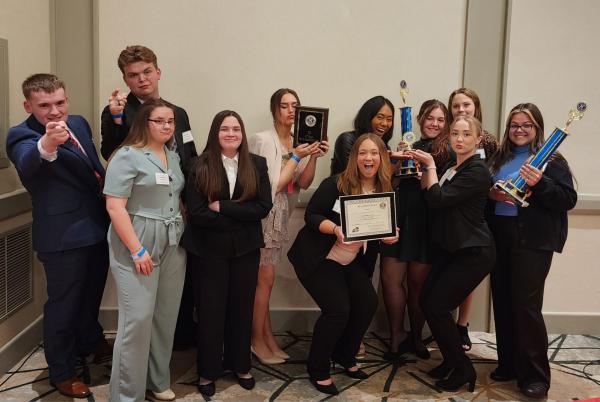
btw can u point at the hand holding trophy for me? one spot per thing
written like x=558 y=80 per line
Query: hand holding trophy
x=517 y=190
x=408 y=167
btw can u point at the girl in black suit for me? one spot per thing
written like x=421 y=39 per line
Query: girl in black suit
x=465 y=250
x=227 y=195
x=337 y=274
x=526 y=239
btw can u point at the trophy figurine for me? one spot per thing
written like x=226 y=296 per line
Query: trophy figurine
x=517 y=189
x=408 y=168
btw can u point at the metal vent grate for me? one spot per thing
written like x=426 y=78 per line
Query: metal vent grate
x=16 y=264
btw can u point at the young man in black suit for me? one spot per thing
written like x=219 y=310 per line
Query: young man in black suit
x=141 y=74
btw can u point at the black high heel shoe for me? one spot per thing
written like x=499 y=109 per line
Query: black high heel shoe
x=459 y=377
x=404 y=347
x=421 y=350
x=440 y=372
x=357 y=374
x=463 y=331
x=330 y=389
x=207 y=389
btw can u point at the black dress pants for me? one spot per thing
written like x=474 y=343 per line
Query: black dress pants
x=185 y=330
x=518 y=293
x=348 y=302
x=224 y=289
x=452 y=278
x=75 y=282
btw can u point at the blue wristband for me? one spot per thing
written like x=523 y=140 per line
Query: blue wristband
x=138 y=254
x=295 y=157
x=117 y=116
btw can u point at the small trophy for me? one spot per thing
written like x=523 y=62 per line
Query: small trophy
x=408 y=168
x=517 y=189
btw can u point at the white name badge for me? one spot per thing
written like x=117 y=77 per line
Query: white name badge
x=162 y=179
x=187 y=136
x=481 y=153
x=336 y=207
x=447 y=176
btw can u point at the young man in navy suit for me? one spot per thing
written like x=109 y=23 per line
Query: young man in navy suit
x=58 y=165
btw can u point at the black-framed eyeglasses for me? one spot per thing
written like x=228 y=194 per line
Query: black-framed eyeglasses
x=524 y=127
x=163 y=123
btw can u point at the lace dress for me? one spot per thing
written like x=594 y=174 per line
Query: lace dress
x=275 y=225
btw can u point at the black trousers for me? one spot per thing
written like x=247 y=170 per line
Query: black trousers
x=452 y=278
x=75 y=282
x=185 y=330
x=348 y=302
x=224 y=289
x=518 y=294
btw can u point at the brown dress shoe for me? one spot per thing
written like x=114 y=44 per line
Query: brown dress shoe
x=73 y=388
x=103 y=351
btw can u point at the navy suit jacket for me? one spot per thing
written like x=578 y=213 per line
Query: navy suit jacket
x=69 y=210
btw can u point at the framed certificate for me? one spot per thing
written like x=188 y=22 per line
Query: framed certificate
x=368 y=216
x=310 y=125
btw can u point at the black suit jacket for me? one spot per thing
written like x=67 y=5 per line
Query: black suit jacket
x=543 y=224
x=236 y=229
x=459 y=206
x=311 y=246
x=68 y=207
x=114 y=134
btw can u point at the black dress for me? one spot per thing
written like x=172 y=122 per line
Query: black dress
x=412 y=217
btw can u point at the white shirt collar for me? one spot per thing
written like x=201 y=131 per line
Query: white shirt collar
x=235 y=158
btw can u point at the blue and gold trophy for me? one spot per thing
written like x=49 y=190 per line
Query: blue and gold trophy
x=517 y=189
x=407 y=168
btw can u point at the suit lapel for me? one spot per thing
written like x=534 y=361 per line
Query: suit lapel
x=154 y=160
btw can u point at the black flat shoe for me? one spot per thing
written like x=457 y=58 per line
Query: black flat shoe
x=246 y=383
x=207 y=389
x=357 y=374
x=464 y=337
x=537 y=390
x=459 y=377
x=440 y=372
x=330 y=389
x=500 y=375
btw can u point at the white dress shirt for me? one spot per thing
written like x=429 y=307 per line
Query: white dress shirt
x=231 y=169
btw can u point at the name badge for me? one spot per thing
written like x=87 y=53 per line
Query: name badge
x=481 y=153
x=447 y=176
x=187 y=136
x=336 y=207
x=162 y=179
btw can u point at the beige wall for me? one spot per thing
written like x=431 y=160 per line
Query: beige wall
x=26 y=26
x=552 y=60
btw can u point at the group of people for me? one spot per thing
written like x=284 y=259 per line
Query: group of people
x=193 y=241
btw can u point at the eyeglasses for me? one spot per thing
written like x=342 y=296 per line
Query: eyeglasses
x=524 y=127
x=163 y=123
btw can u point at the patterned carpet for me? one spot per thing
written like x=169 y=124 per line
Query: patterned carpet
x=575 y=362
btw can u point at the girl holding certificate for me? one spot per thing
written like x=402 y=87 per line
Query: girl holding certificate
x=289 y=170
x=227 y=195
x=337 y=274
x=465 y=249
x=526 y=239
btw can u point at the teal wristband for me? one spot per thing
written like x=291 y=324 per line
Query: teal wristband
x=295 y=157
x=117 y=116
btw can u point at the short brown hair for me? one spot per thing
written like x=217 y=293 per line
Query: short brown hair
x=135 y=53
x=41 y=82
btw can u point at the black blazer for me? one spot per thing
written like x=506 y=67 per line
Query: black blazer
x=236 y=229
x=543 y=224
x=458 y=207
x=68 y=207
x=311 y=246
x=114 y=134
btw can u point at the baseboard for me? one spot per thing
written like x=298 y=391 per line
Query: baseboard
x=21 y=345
x=572 y=323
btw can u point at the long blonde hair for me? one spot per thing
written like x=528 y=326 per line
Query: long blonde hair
x=349 y=180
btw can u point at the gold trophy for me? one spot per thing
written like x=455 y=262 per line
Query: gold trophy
x=517 y=189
